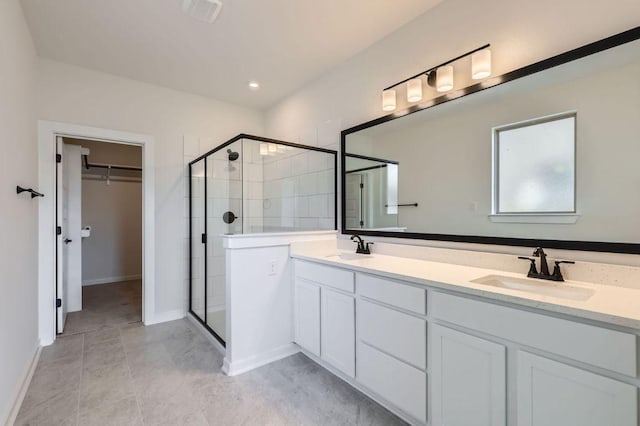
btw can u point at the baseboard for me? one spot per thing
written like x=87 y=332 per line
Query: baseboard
x=108 y=280
x=207 y=334
x=242 y=366
x=160 y=317
x=22 y=389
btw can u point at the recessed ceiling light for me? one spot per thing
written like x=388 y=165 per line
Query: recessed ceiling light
x=254 y=85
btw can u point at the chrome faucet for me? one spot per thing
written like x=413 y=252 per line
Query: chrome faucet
x=544 y=266
x=363 y=247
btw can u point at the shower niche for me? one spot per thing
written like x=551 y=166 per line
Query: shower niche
x=251 y=185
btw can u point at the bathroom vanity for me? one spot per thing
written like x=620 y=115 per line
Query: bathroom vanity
x=441 y=344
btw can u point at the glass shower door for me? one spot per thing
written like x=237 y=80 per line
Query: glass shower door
x=197 y=230
x=224 y=216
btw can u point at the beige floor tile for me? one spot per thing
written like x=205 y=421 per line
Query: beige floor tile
x=120 y=413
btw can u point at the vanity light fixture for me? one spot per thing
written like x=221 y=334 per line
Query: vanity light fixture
x=440 y=77
x=273 y=148
x=264 y=149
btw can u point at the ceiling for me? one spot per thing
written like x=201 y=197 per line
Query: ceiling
x=283 y=44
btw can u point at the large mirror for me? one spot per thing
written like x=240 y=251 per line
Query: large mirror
x=550 y=154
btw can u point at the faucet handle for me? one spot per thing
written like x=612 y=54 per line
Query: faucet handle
x=532 y=268
x=367 y=249
x=557 y=274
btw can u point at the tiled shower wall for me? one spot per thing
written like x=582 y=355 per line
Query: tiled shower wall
x=299 y=191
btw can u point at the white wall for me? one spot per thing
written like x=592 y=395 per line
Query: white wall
x=520 y=33
x=75 y=95
x=113 y=252
x=18 y=215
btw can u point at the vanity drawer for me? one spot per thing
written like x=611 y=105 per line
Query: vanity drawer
x=399 y=383
x=396 y=333
x=393 y=293
x=325 y=275
x=602 y=347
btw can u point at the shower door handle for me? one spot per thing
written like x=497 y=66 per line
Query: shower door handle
x=67 y=240
x=203 y=238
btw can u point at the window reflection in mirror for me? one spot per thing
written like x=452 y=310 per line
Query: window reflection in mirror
x=534 y=166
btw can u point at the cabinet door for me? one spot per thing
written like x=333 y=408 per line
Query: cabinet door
x=307 y=316
x=555 y=394
x=469 y=383
x=339 y=331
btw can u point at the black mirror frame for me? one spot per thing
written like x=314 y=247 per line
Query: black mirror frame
x=563 y=58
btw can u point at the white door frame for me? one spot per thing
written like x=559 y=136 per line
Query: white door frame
x=47 y=132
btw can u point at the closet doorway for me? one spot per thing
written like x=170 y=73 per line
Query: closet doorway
x=99 y=192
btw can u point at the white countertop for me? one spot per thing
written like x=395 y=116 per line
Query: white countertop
x=609 y=304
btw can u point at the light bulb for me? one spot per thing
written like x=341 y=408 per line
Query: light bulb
x=444 y=78
x=389 y=100
x=414 y=90
x=481 y=64
x=273 y=148
x=264 y=149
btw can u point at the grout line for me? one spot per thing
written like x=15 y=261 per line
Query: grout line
x=126 y=358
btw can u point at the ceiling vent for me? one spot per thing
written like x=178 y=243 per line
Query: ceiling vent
x=203 y=10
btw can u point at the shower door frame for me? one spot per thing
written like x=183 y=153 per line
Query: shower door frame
x=204 y=156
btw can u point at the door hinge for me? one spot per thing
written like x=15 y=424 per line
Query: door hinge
x=361 y=185
x=58 y=158
x=58 y=303
x=204 y=238
x=58 y=230
x=361 y=223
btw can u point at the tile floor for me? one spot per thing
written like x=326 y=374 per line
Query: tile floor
x=169 y=374
x=105 y=306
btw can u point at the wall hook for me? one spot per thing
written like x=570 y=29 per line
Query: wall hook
x=34 y=194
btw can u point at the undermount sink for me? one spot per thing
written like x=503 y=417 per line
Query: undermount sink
x=540 y=287
x=350 y=256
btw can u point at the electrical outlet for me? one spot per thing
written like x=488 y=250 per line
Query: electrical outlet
x=272 y=267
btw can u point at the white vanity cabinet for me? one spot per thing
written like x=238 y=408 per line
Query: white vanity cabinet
x=551 y=393
x=442 y=358
x=325 y=314
x=469 y=371
x=468 y=384
x=392 y=343
x=338 y=330
x=307 y=316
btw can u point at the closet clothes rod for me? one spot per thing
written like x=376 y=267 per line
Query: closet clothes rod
x=107 y=166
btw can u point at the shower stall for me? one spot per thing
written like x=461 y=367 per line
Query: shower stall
x=250 y=185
